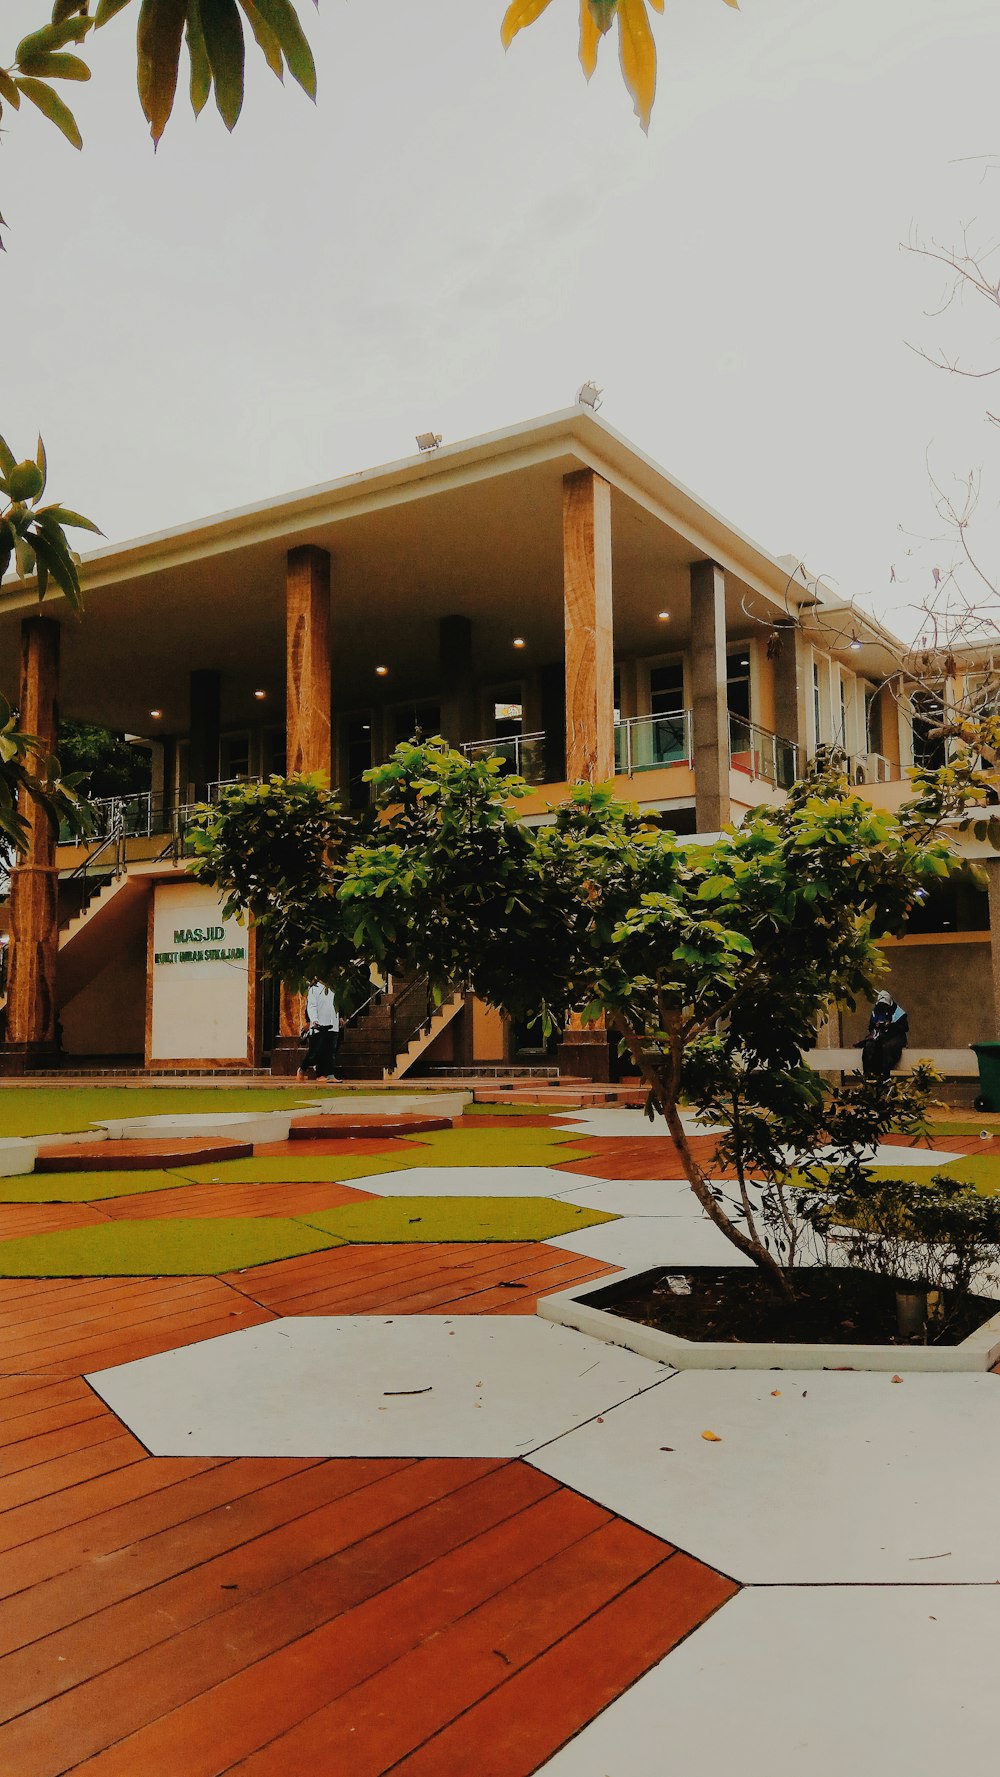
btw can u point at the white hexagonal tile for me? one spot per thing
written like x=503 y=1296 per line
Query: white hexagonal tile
x=468 y=1181
x=800 y=1682
x=635 y=1241
x=819 y=1477
x=419 y=1385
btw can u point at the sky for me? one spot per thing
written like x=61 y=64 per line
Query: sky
x=453 y=239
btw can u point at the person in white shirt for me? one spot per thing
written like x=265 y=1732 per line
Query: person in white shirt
x=323 y=1020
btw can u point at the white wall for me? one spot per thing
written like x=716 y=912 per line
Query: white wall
x=200 y=999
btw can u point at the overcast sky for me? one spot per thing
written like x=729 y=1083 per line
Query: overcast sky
x=453 y=239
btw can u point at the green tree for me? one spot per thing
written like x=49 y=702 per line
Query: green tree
x=712 y=963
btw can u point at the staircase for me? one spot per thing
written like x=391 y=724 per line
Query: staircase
x=399 y=1025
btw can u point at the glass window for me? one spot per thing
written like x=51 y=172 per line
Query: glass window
x=508 y=712
x=234 y=757
x=930 y=748
x=738 y=684
x=358 y=741
x=666 y=689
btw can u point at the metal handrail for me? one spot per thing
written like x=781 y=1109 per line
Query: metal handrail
x=638 y=736
x=115 y=843
x=769 y=756
x=510 y=747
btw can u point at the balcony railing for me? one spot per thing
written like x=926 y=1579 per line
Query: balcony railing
x=522 y=754
x=642 y=743
x=762 y=754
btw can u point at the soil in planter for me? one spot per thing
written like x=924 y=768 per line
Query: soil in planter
x=836 y=1307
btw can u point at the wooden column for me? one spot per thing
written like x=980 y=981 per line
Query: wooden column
x=34 y=894
x=709 y=712
x=307 y=643
x=587 y=610
x=308 y=659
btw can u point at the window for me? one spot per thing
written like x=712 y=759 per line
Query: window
x=234 y=757
x=930 y=748
x=507 y=711
x=358 y=746
x=275 y=752
x=738 y=684
x=666 y=689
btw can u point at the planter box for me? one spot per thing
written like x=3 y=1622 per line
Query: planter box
x=581 y=1309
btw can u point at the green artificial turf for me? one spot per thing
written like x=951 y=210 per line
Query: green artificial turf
x=514 y=1110
x=469 y=1146
x=83 y=1187
x=982 y=1120
x=396 y=1219
x=981 y=1170
x=184 y=1248
x=50 y=1110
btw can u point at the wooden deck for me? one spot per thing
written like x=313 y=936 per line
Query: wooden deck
x=334 y=1618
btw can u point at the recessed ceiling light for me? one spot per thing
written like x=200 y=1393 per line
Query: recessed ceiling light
x=381 y=670
x=664 y=616
x=156 y=714
x=855 y=642
x=519 y=642
x=260 y=696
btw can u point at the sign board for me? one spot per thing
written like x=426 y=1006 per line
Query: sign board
x=200 y=981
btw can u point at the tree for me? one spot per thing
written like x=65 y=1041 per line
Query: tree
x=712 y=963
x=215 y=31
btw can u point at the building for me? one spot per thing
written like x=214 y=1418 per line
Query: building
x=546 y=591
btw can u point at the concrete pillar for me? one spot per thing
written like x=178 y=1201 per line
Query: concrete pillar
x=458 y=681
x=709 y=714
x=587 y=613
x=31 y=1039
x=308 y=714
x=792 y=689
x=203 y=731
x=552 y=704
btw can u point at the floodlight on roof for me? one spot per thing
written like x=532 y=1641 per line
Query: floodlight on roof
x=589 y=395
x=428 y=440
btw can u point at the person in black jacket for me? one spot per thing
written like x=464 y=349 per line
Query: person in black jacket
x=887 y=1037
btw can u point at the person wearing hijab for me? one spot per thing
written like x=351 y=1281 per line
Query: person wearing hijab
x=887 y=1037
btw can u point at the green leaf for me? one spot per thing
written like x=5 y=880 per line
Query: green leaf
x=284 y=22
x=8 y=90
x=50 y=37
x=51 y=106
x=161 y=27
x=266 y=39
x=42 y=465
x=58 y=564
x=55 y=67
x=106 y=11
x=8 y=461
x=223 y=32
x=993 y=833
x=201 y=68
x=63 y=516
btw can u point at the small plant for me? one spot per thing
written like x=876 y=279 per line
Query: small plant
x=943 y=1236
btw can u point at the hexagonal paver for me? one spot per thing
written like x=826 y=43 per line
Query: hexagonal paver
x=817 y=1478
x=415 y=1386
x=394 y=1219
x=913 y=1690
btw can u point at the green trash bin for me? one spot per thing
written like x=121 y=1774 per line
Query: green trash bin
x=988 y=1057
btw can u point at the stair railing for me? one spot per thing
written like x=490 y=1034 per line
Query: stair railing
x=110 y=854
x=410 y=1011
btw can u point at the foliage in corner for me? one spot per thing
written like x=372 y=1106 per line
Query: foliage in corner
x=214 y=32
x=34 y=536
x=636 y=47
x=28 y=770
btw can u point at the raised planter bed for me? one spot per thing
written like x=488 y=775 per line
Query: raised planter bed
x=619 y=1312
